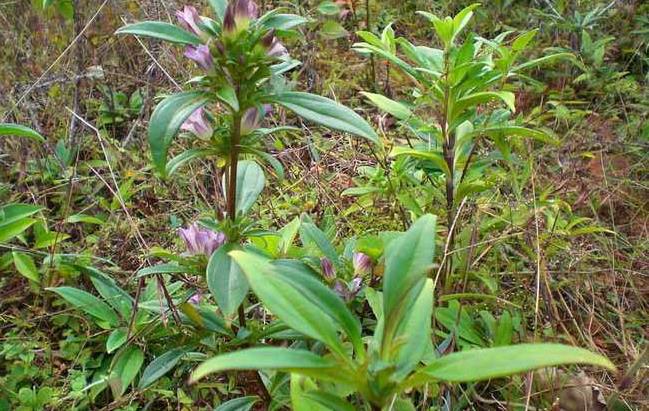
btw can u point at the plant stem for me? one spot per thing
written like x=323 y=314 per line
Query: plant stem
x=234 y=160
x=449 y=158
x=231 y=200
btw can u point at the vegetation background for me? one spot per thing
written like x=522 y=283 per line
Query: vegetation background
x=575 y=215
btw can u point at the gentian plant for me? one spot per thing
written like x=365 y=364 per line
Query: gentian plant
x=373 y=367
x=241 y=61
x=462 y=101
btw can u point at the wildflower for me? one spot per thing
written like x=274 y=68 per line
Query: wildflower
x=274 y=48
x=348 y=291
x=238 y=15
x=328 y=270
x=201 y=55
x=362 y=264
x=200 y=240
x=198 y=125
x=195 y=299
x=253 y=117
x=189 y=19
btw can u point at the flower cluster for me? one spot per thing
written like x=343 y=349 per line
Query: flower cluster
x=214 y=54
x=347 y=291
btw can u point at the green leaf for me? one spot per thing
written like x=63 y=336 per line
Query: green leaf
x=116 y=339
x=160 y=30
x=239 y=404
x=250 y=183
x=12 y=229
x=297 y=274
x=543 y=60
x=47 y=3
x=483 y=97
x=262 y=358
x=225 y=280
x=88 y=303
x=186 y=156
x=407 y=260
x=392 y=107
x=414 y=332
x=166 y=120
x=165 y=268
x=125 y=368
x=436 y=157
x=311 y=234
x=228 y=95
x=117 y=298
x=10 y=213
x=517 y=131
x=219 y=7
x=286 y=301
x=8 y=129
x=483 y=364
x=160 y=366
x=279 y=21
x=25 y=265
x=84 y=218
x=326 y=112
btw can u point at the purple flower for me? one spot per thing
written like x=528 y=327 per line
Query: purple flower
x=198 y=125
x=199 y=240
x=274 y=48
x=201 y=55
x=238 y=15
x=348 y=291
x=362 y=264
x=189 y=19
x=196 y=298
x=253 y=117
x=328 y=270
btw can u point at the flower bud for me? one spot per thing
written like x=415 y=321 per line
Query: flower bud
x=200 y=240
x=253 y=117
x=238 y=15
x=274 y=48
x=362 y=264
x=201 y=55
x=328 y=270
x=189 y=19
x=198 y=125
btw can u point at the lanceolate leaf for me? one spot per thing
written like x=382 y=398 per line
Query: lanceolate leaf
x=125 y=369
x=482 y=364
x=219 y=7
x=415 y=331
x=88 y=303
x=436 y=157
x=239 y=404
x=7 y=129
x=165 y=121
x=225 y=280
x=160 y=30
x=517 y=131
x=398 y=110
x=262 y=358
x=327 y=112
x=407 y=260
x=117 y=298
x=186 y=156
x=320 y=295
x=286 y=301
x=484 y=97
x=160 y=366
x=250 y=183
